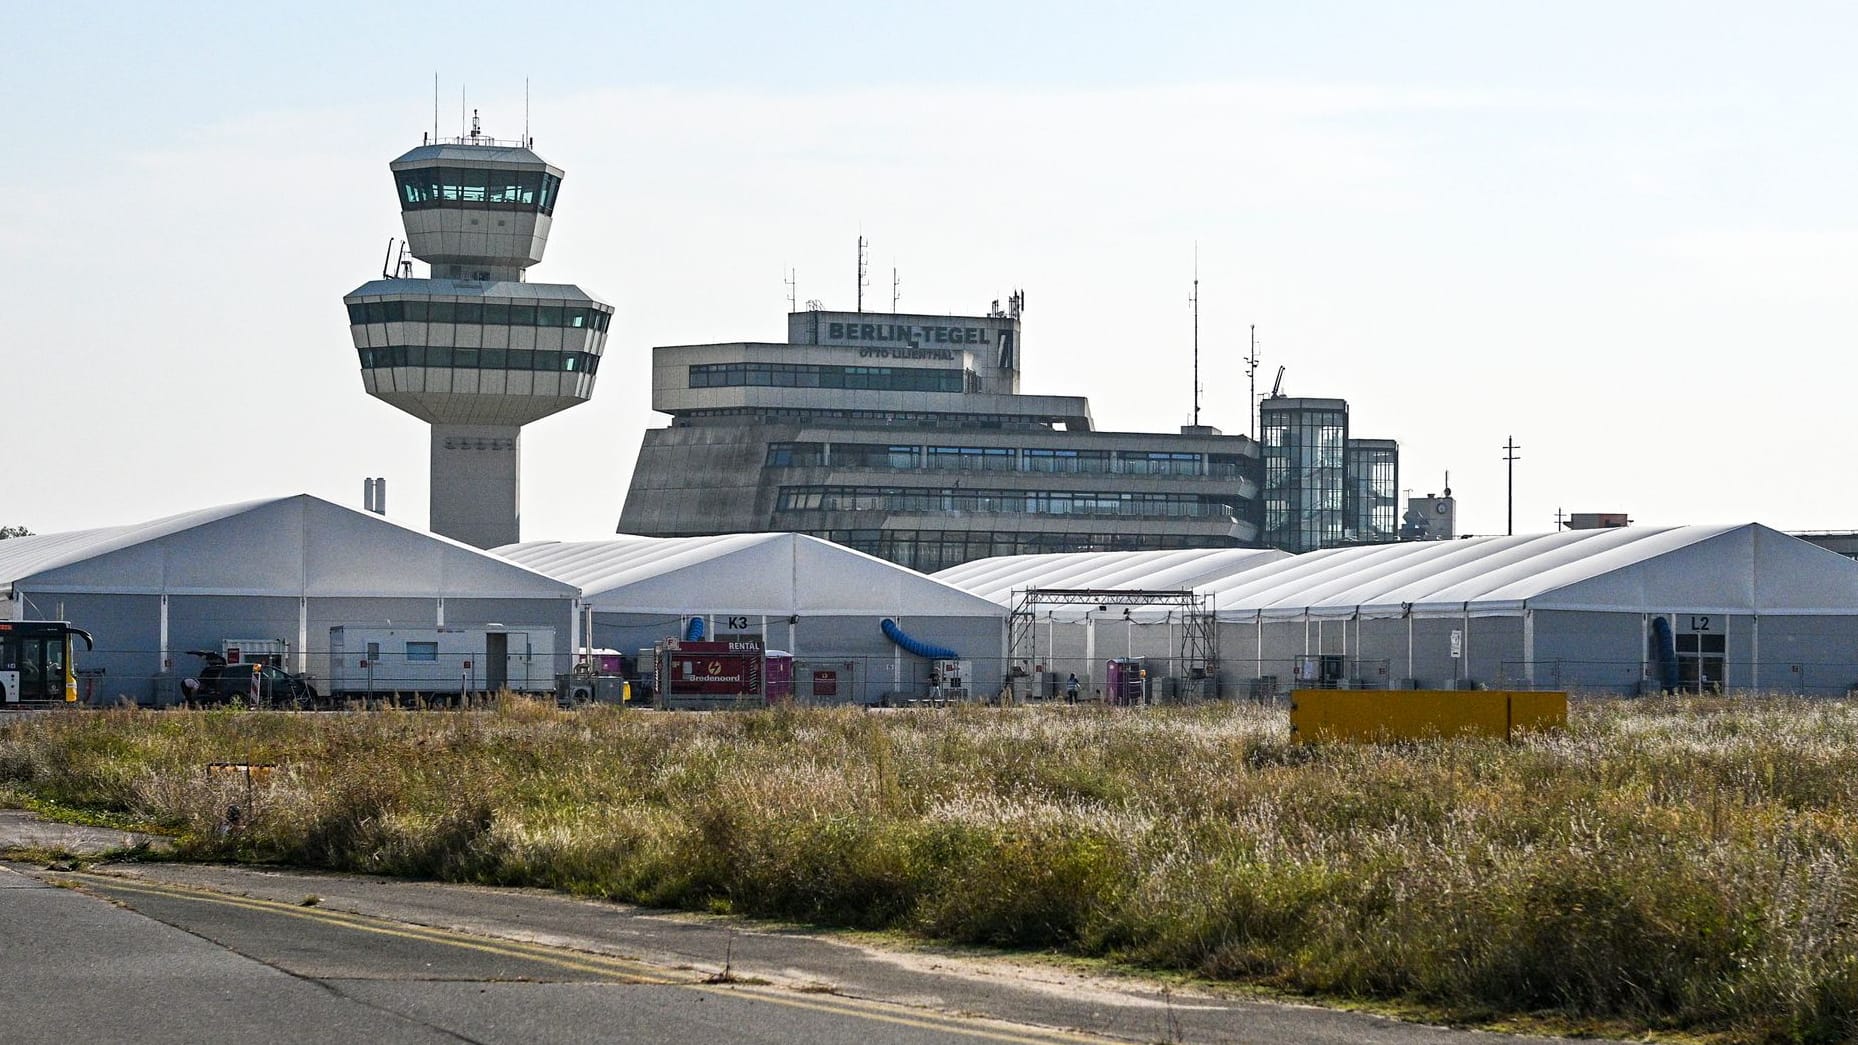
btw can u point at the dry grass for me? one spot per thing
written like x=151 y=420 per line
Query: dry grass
x=1672 y=865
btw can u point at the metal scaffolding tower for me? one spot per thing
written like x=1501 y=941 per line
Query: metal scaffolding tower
x=1199 y=648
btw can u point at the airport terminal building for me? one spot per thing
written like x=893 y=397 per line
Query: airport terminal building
x=906 y=437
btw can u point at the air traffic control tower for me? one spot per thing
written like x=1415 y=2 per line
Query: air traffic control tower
x=475 y=350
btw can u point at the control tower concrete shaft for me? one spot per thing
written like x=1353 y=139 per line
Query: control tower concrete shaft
x=475 y=350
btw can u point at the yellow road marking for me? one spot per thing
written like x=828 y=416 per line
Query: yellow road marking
x=599 y=964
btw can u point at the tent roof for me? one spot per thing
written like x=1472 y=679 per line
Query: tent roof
x=291 y=546
x=777 y=574
x=997 y=578
x=1636 y=570
x=1746 y=568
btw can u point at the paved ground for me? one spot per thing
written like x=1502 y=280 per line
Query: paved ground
x=20 y=829
x=163 y=953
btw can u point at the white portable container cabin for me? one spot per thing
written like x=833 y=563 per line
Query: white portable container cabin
x=483 y=658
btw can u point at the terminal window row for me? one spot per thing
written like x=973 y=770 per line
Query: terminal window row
x=931 y=550
x=803 y=375
x=487 y=313
x=479 y=358
x=906 y=457
x=477 y=189
x=864 y=419
x=1019 y=502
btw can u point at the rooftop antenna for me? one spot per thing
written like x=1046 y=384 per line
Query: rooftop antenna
x=1277 y=389
x=790 y=277
x=461 y=111
x=527 y=141
x=435 y=107
x=863 y=277
x=895 y=289
x=1251 y=373
x=1194 y=301
x=863 y=281
x=474 y=125
x=395 y=267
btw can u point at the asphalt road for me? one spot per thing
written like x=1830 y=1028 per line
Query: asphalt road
x=170 y=953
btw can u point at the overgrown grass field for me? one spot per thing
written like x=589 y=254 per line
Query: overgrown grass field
x=1675 y=865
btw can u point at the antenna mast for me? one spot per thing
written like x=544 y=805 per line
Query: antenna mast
x=435 y=107
x=863 y=282
x=790 y=277
x=1251 y=373
x=526 y=138
x=895 y=289
x=1195 y=302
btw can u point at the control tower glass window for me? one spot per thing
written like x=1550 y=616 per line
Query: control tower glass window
x=476 y=188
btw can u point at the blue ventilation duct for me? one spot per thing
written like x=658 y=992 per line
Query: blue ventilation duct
x=1664 y=647
x=914 y=645
x=693 y=632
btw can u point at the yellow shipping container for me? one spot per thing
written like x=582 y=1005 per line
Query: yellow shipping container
x=1369 y=715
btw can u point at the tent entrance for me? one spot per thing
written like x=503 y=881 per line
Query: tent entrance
x=496 y=661
x=1702 y=655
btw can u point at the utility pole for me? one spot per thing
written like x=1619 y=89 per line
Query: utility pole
x=1510 y=449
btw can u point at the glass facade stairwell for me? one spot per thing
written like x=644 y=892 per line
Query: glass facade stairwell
x=1304 y=445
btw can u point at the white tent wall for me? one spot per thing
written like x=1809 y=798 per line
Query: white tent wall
x=1070 y=642
x=127 y=632
x=1379 y=647
x=1588 y=651
x=1811 y=654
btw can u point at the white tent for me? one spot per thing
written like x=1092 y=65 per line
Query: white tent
x=818 y=601
x=1746 y=605
x=300 y=546
x=1746 y=568
x=777 y=574
x=285 y=569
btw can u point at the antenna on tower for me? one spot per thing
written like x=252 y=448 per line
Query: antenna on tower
x=527 y=141
x=1251 y=374
x=396 y=266
x=435 y=107
x=895 y=289
x=789 y=277
x=863 y=281
x=1194 y=300
x=474 y=125
x=461 y=111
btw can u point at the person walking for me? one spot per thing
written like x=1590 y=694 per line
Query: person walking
x=1070 y=689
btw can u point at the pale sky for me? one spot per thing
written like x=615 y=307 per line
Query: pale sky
x=1624 y=234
